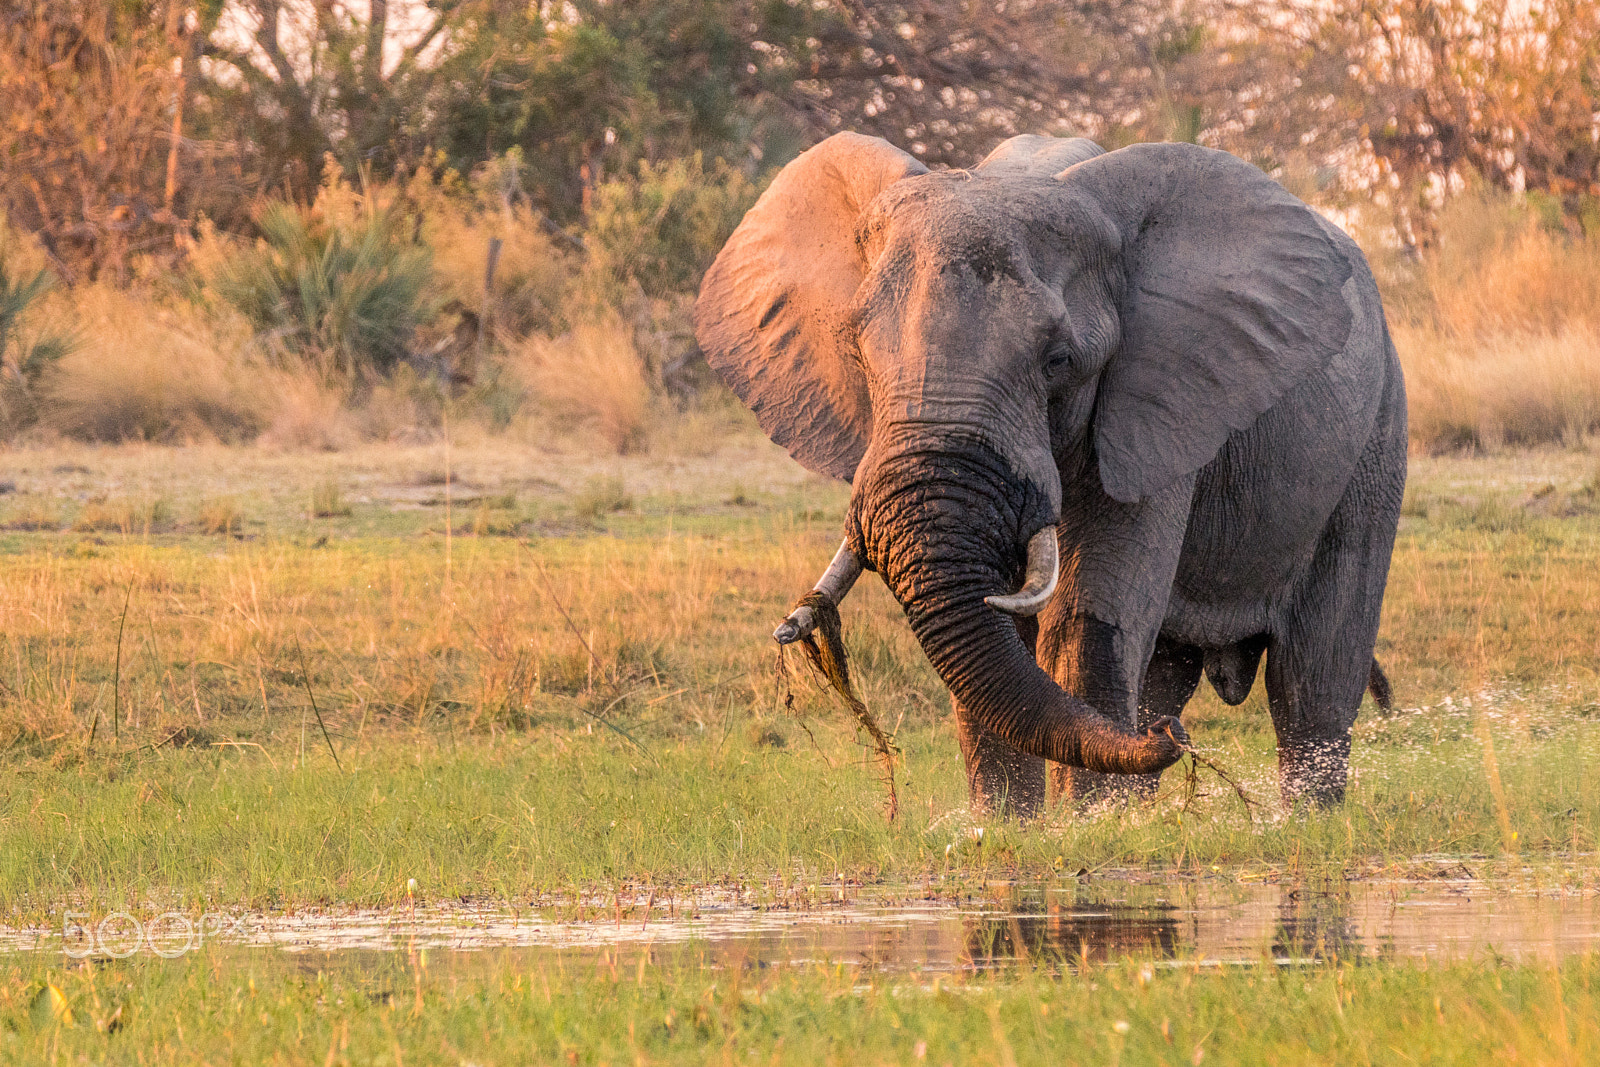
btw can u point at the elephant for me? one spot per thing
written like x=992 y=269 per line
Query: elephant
x=1149 y=387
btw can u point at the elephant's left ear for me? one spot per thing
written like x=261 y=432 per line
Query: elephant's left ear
x=1233 y=294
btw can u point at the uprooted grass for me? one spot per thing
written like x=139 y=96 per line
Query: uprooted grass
x=498 y=714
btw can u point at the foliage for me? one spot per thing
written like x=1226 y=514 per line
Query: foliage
x=663 y=229
x=294 y=85
x=459 y=220
x=90 y=166
x=25 y=354
x=129 y=122
x=1415 y=98
x=338 y=285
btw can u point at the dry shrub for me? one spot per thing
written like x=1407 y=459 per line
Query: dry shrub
x=145 y=372
x=531 y=276
x=592 y=373
x=1498 y=329
x=124 y=517
x=221 y=516
x=309 y=414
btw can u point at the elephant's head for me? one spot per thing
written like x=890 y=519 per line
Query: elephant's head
x=957 y=343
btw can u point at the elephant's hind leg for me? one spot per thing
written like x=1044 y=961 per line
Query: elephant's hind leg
x=1319 y=660
x=1000 y=779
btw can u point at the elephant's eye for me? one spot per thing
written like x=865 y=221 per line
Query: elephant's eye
x=1057 y=354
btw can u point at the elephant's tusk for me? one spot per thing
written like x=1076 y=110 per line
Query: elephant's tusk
x=1044 y=570
x=834 y=584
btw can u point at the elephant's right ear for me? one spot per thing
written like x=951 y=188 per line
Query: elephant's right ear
x=772 y=308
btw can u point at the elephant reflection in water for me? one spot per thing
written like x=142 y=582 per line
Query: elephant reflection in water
x=1315 y=925
x=1036 y=926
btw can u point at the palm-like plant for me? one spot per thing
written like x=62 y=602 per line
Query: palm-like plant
x=23 y=359
x=343 y=294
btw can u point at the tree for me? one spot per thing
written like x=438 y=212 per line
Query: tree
x=1430 y=92
x=606 y=83
x=87 y=91
x=301 y=81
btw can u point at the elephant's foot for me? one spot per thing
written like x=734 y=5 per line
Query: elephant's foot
x=1314 y=770
x=1001 y=781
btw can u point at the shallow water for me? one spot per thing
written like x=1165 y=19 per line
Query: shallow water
x=1211 y=922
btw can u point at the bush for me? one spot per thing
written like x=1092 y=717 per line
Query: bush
x=141 y=371
x=533 y=272
x=338 y=285
x=662 y=229
x=25 y=353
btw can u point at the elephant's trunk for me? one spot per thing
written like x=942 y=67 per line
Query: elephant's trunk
x=945 y=533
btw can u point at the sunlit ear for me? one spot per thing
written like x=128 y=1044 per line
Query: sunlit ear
x=1233 y=294
x=771 y=312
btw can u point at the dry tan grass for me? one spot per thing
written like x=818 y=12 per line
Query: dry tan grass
x=308 y=415
x=142 y=371
x=1500 y=389
x=1498 y=328
x=593 y=373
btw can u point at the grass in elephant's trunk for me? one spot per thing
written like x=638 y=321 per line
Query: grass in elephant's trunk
x=825 y=649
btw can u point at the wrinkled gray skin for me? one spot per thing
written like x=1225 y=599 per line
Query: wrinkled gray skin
x=1159 y=351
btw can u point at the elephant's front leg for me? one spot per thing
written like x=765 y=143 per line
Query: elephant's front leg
x=1000 y=779
x=1101 y=664
x=1098 y=636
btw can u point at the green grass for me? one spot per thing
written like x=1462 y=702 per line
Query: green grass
x=549 y=697
x=561 y=810
x=221 y=1006
x=594 y=701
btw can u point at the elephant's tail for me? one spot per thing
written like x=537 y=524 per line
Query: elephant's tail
x=1378 y=686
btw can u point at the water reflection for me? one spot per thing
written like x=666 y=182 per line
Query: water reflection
x=1030 y=923
x=1058 y=924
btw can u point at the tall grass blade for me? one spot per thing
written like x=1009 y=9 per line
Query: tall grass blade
x=116 y=678
x=305 y=675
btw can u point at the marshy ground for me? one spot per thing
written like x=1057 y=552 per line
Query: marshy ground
x=549 y=698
